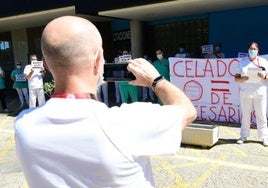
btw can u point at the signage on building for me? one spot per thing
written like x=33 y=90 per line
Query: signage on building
x=121 y=36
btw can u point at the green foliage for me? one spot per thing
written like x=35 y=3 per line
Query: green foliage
x=49 y=88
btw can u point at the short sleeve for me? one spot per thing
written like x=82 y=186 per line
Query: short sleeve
x=27 y=69
x=146 y=129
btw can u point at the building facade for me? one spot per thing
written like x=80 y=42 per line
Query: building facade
x=138 y=26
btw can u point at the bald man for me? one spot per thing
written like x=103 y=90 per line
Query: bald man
x=76 y=141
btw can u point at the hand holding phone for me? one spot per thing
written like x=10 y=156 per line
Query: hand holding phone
x=144 y=72
x=117 y=72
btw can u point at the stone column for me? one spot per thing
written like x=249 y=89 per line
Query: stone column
x=136 y=38
x=20 y=45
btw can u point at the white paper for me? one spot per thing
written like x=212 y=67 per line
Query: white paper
x=37 y=64
x=20 y=78
x=252 y=74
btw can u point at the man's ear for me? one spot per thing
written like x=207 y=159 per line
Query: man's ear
x=98 y=60
x=45 y=63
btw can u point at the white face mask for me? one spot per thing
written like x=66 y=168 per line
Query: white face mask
x=159 y=56
x=101 y=78
x=100 y=81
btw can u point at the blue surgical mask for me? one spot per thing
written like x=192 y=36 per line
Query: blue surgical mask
x=181 y=50
x=159 y=56
x=217 y=48
x=252 y=53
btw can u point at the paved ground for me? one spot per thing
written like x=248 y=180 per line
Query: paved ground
x=226 y=164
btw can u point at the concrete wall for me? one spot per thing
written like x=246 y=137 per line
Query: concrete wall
x=236 y=29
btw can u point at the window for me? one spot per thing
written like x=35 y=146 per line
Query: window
x=168 y=36
x=6 y=51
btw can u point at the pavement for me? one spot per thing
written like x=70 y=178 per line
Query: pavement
x=225 y=164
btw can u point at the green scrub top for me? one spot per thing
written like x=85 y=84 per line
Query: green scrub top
x=19 y=79
x=163 y=68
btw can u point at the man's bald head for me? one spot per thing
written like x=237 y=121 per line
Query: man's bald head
x=70 y=41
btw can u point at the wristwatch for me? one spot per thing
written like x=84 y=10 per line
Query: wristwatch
x=158 y=79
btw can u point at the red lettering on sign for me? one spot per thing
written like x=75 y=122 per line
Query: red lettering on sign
x=213 y=118
x=188 y=69
x=174 y=68
x=225 y=98
x=215 y=98
x=232 y=71
x=208 y=68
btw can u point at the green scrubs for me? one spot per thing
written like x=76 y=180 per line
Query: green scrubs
x=163 y=68
x=126 y=90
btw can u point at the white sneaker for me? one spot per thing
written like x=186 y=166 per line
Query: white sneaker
x=265 y=142
x=241 y=140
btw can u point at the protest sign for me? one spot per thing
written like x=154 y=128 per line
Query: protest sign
x=210 y=85
x=124 y=58
x=37 y=64
x=206 y=49
x=20 y=78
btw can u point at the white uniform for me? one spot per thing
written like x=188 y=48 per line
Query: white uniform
x=83 y=143
x=35 y=84
x=253 y=94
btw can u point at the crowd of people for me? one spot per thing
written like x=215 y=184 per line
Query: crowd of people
x=125 y=93
x=28 y=83
x=74 y=140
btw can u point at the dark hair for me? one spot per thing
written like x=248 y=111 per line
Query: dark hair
x=159 y=49
x=182 y=45
x=255 y=43
x=218 y=44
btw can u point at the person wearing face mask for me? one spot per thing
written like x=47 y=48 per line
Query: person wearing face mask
x=253 y=92
x=182 y=53
x=126 y=89
x=35 y=83
x=20 y=84
x=162 y=66
x=217 y=53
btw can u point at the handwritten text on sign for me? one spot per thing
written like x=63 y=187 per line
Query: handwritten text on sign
x=209 y=83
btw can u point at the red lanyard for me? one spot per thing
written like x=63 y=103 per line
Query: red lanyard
x=257 y=65
x=75 y=96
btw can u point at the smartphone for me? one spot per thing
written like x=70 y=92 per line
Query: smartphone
x=117 y=72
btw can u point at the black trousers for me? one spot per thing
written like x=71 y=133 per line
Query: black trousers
x=3 y=99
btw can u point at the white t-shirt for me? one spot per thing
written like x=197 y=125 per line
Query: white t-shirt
x=36 y=81
x=83 y=143
x=248 y=89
